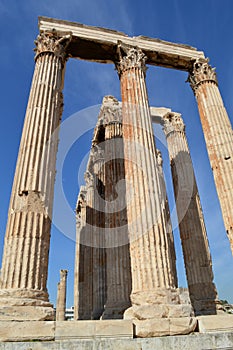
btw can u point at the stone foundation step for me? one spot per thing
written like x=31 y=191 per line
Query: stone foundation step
x=215 y=323
x=93 y=329
x=197 y=341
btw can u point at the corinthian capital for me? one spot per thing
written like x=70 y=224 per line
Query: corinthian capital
x=134 y=58
x=52 y=42
x=172 y=122
x=110 y=111
x=200 y=73
x=63 y=274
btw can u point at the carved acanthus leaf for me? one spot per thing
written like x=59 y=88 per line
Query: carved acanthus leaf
x=173 y=122
x=52 y=42
x=200 y=73
x=134 y=58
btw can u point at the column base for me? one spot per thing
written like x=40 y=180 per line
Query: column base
x=204 y=299
x=207 y=307
x=158 y=327
x=25 y=305
x=27 y=331
x=115 y=312
x=97 y=314
x=160 y=312
x=84 y=315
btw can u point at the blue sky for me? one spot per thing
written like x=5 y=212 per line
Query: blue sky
x=204 y=24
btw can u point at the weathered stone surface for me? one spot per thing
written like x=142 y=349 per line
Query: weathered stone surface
x=61 y=296
x=182 y=310
x=184 y=295
x=150 y=311
x=77 y=329
x=94 y=329
x=114 y=329
x=195 y=245
x=182 y=325
x=145 y=219
x=164 y=326
x=95 y=41
x=166 y=212
x=196 y=341
x=103 y=213
x=215 y=323
x=156 y=296
x=27 y=240
x=156 y=302
x=27 y=331
x=152 y=260
x=218 y=135
x=26 y=313
x=144 y=312
x=82 y=284
x=116 y=312
x=24 y=296
x=129 y=314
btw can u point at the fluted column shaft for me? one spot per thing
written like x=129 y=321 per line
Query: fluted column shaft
x=218 y=136
x=86 y=259
x=99 y=253
x=79 y=290
x=197 y=258
x=118 y=256
x=166 y=215
x=26 y=247
x=61 y=296
x=150 y=257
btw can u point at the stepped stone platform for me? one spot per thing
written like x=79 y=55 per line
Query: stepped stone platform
x=212 y=332
x=196 y=341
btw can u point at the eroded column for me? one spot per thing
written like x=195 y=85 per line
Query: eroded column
x=197 y=258
x=154 y=295
x=166 y=214
x=25 y=258
x=116 y=229
x=61 y=296
x=87 y=242
x=218 y=136
x=80 y=256
x=99 y=252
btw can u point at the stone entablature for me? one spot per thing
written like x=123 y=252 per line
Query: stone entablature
x=101 y=45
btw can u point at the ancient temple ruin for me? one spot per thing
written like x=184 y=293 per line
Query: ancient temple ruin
x=125 y=257
x=105 y=248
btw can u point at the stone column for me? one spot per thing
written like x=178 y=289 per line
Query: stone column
x=197 y=258
x=79 y=285
x=218 y=136
x=99 y=252
x=166 y=211
x=61 y=296
x=25 y=258
x=86 y=256
x=117 y=245
x=154 y=295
